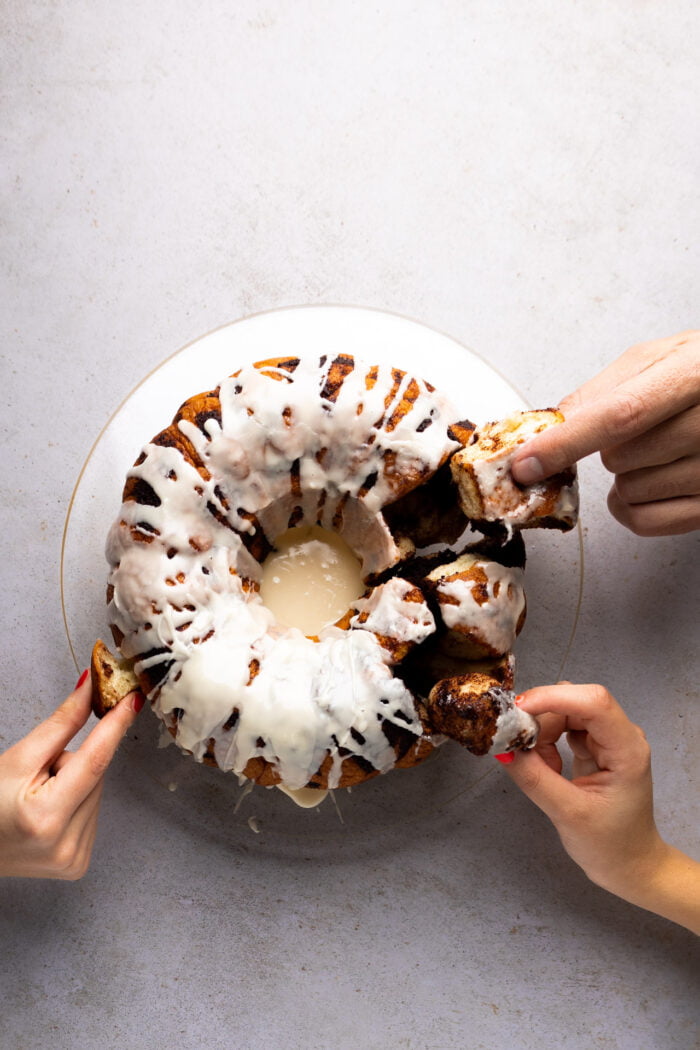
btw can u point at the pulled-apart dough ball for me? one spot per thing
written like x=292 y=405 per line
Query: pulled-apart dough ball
x=487 y=490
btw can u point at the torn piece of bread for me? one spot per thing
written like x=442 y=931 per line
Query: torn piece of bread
x=487 y=490
x=477 y=712
x=112 y=679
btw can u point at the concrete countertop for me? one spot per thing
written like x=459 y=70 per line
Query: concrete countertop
x=521 y=177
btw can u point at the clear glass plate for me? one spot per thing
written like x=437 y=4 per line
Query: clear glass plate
x=554 y=571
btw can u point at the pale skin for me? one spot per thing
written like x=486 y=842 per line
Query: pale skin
x=50 y=797
x=642 y=414
x=605 y=814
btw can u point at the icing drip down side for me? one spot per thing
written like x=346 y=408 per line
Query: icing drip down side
x=289 y=444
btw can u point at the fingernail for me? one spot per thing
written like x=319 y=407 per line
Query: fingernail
x=505 y=758
x=527 y=471
x=82 y=678
x=519 y=698
x=138 y=702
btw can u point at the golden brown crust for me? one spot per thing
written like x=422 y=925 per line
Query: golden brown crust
x=425 y=511
x=462 y=709
x=112 y=679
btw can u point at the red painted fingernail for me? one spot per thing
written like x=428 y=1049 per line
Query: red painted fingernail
x=82 y=678
x=505 y=758
x=519 y=698
x=138 y=702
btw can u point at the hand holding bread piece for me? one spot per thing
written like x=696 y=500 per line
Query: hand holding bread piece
x=112 y=679
x=489 y=493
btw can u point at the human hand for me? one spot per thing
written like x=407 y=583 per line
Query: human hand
x=50 y=797
x=604 y=814
x=642 y=413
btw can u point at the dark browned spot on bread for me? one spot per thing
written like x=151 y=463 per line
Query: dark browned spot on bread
x=339 y=368
x=339 y=512
x=295 y=479
x=463 y=708
x=404 y=406
x=117 y=634
x=137 y=490
x=143 y=533
x=321 y=504
x=461 y=431
x=172 y=437
x=295 y=517
x=232 y=720
x=271 y=366
x=368 y=484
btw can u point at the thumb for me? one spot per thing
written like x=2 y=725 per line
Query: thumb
x=583 y=431
x=549 y=790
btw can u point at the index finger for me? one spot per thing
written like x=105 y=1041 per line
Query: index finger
x=88 y=765
x=617 y=414
x=586 y=707
x=625 y=367
x=41 y=745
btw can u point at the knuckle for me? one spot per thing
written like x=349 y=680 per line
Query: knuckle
x=631 y=411
x=634 y=517
x=625 y=486
x=530 y=780
x=612 y=459
x=574 y=814
x=65 y=719
x=99 y=759
x=640 y=522
x=36 y=825
x=69 y=863
x=601 y=699
x=643 y=748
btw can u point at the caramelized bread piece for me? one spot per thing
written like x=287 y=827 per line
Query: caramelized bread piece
x=477 y=712
x=112 y=679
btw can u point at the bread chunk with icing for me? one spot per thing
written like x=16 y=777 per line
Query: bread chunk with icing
x=487 y=490
x=112 y=679
x=476 y=711
x=481 y=604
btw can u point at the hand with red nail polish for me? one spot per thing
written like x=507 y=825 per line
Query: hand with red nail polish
x=49 y=796
x=604 y=814
x=642 y=414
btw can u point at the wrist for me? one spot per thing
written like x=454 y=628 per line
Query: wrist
x=665 y=881
x=636 y=878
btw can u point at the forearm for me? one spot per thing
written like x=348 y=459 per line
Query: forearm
x=668 y=886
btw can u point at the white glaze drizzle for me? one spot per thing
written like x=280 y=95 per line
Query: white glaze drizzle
x=391 y=615
x=181 y=578
x=514 y=727
x=492 y=623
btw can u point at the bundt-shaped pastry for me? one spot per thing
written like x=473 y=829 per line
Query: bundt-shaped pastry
x=285 y=442
x=368 y=452
x=487 y=490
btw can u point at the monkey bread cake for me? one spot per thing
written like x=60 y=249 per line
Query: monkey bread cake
x=367 y=452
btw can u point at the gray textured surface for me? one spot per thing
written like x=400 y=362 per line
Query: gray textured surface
x=523 y=177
